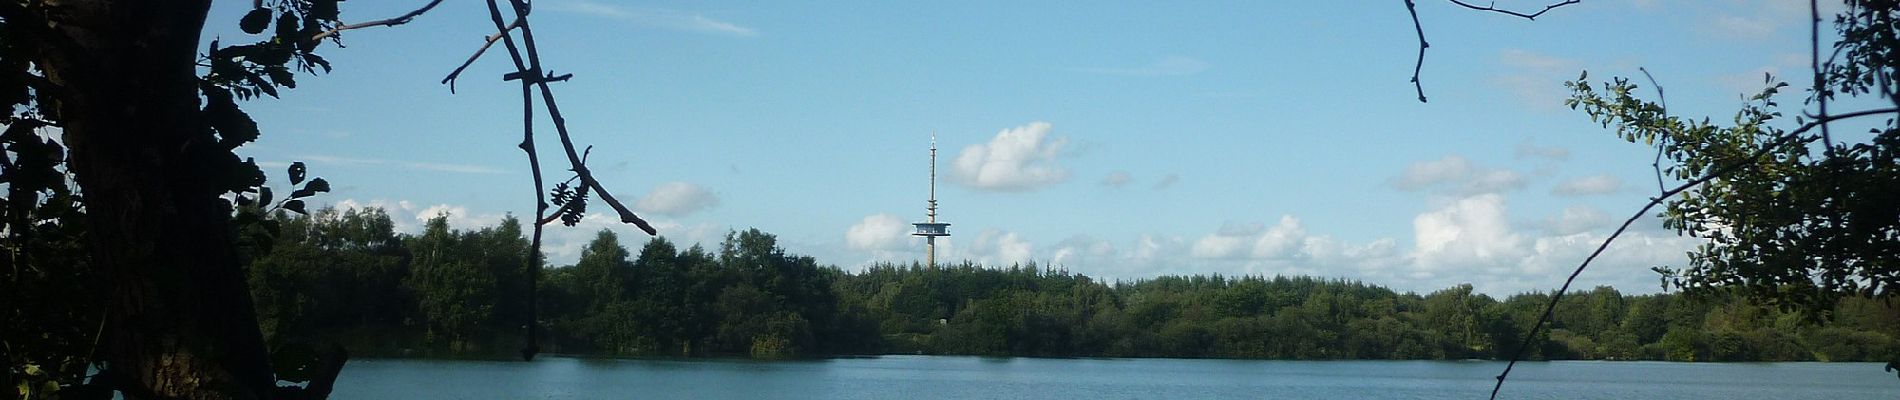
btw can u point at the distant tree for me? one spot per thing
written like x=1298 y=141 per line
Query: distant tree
x=454 y=290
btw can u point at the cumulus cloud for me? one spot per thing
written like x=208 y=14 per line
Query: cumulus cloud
x=656 y=18
x=1082 y=250
x=1588 y=185
x=1456 y=174
x=998 y=248
x=1468 y=231
x=884 y=232
x=676 y=199
x=1017 y=159
x=1575 y=220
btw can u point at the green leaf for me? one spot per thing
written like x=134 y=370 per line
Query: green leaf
x=263 y=195
x=296 y=172
x=295 y=205
x=255 y=21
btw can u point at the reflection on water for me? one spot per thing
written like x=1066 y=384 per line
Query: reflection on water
x=933 y=377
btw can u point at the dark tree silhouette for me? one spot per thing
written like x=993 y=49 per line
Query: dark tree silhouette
x=148 y=122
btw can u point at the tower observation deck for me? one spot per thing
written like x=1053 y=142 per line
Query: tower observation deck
x=930 y=229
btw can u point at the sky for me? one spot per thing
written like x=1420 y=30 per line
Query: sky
x=1118 y=140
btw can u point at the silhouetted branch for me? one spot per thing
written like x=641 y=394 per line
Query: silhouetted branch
x=398 y=20
x=1820 y=84
x=528 y=71
x=1793 y=136
x=1664 y=139
x=486 y=43
x=1412 y=7
x=1532 y=16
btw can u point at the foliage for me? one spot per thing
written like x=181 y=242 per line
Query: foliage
x=1795 y=217
x=752 y=299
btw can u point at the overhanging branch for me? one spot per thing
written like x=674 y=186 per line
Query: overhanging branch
x=398 y=20
x=1412 y=7
x=1791 y=137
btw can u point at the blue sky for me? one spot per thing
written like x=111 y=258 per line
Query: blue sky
x=1117 y=140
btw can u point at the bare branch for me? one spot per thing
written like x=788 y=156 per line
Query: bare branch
x=1664 y=101
x=1422 y=45
x=1412 y=7
x=1790 y=137
x=1531 y=16
x=398 y=20
x=486 y=43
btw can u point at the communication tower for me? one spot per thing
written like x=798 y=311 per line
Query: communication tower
x=930 y=229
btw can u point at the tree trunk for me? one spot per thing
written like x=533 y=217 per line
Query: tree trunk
x=180 y=321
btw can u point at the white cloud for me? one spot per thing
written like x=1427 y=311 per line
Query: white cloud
x=1588 y=185
x=657 y=18
x=1456 y=174
x=1286 y=239
x=995 y=248
x=1468 y=231
x=676 y=199
x=1018 y=159
x=1117 y=179
x=878 y=232
x=1577 y=219
x=1166 y=66
x=1082 y=251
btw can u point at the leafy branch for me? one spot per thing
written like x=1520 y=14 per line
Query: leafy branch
x=1792 y=137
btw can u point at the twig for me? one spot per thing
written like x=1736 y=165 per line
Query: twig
x=560 y=128
x=1820 y=85
x=1532 y=16
x=1793 y=136
x=1664 y=101
x=556 y=216
x=398 y=20
x=1412 y=7
x=486 y=43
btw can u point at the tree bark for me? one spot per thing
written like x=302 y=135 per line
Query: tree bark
x=180 y=320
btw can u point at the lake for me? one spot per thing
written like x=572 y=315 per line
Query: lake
x=946 y=377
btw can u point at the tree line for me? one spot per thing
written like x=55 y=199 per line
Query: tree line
x=348 y=277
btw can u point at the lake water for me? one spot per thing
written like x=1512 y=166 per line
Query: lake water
x=943 y=377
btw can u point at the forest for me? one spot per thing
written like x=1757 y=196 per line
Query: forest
x=346 y=276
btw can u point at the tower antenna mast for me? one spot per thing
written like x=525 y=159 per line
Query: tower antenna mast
x=931 y=229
